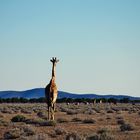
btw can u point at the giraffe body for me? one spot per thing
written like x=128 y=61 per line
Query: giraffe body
x=51 y=92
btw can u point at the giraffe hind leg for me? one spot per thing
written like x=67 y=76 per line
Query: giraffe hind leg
x=48 y=112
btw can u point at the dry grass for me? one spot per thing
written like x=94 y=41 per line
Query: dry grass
x=92 y=121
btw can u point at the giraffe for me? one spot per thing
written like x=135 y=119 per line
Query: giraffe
x=51 y=91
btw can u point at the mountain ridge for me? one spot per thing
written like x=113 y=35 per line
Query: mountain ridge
x=39 y=92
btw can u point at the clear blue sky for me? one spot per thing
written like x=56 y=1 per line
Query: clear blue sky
x=97 y=42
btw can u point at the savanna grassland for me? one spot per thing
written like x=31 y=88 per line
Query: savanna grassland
x=78 y=121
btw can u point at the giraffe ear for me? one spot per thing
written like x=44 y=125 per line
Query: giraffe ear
x=51 y=60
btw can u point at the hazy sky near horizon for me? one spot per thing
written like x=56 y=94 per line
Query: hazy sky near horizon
x=97 y=42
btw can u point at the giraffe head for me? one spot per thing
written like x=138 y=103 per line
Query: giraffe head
x=54 y=60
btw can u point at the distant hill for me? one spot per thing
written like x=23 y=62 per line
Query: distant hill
x=39 y=92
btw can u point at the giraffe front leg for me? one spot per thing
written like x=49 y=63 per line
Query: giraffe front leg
x=54 y=107
x=52 y=113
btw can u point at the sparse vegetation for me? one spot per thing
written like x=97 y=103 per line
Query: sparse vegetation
x=18 y=132
x=88 y=121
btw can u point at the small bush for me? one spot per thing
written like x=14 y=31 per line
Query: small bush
x=28 y=131
x=39 y=137
x=71 y=112
x=41 y=114
x=19 y=132
x=18 y=118
x=126 y=127
x=90 y=112
x=121 y=122
x=32 y=121
x=25 y=111
x=115 y=109
x=47 y=123
x=119 y=112
x=108 y=118
x=3 y=123
x=13 y=134
x=110 y=111
x=119 y=118
x=40 y=122
x=106 y=136
x=97 y=110
x=51 y=123
x=76 y=120
x=6 y=110
x=62 y=109
x=103 y=130
x=93 y=137
x=101 y=136
x=89 y=120
x=62 y=120
x=60 y=131
x=73 y=136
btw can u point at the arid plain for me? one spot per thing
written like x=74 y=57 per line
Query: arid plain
x=78 y=121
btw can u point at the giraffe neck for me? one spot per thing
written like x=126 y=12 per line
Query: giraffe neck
x=53 y=71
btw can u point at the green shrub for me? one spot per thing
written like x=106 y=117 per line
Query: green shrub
x=110 y=111
x=51 y=123
x=126 y=127
x=90 y=120
x=40 y=122
x=18 y=118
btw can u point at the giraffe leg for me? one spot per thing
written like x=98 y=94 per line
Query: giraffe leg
x=52 y=112
x=54 y=107
x=48 y=112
